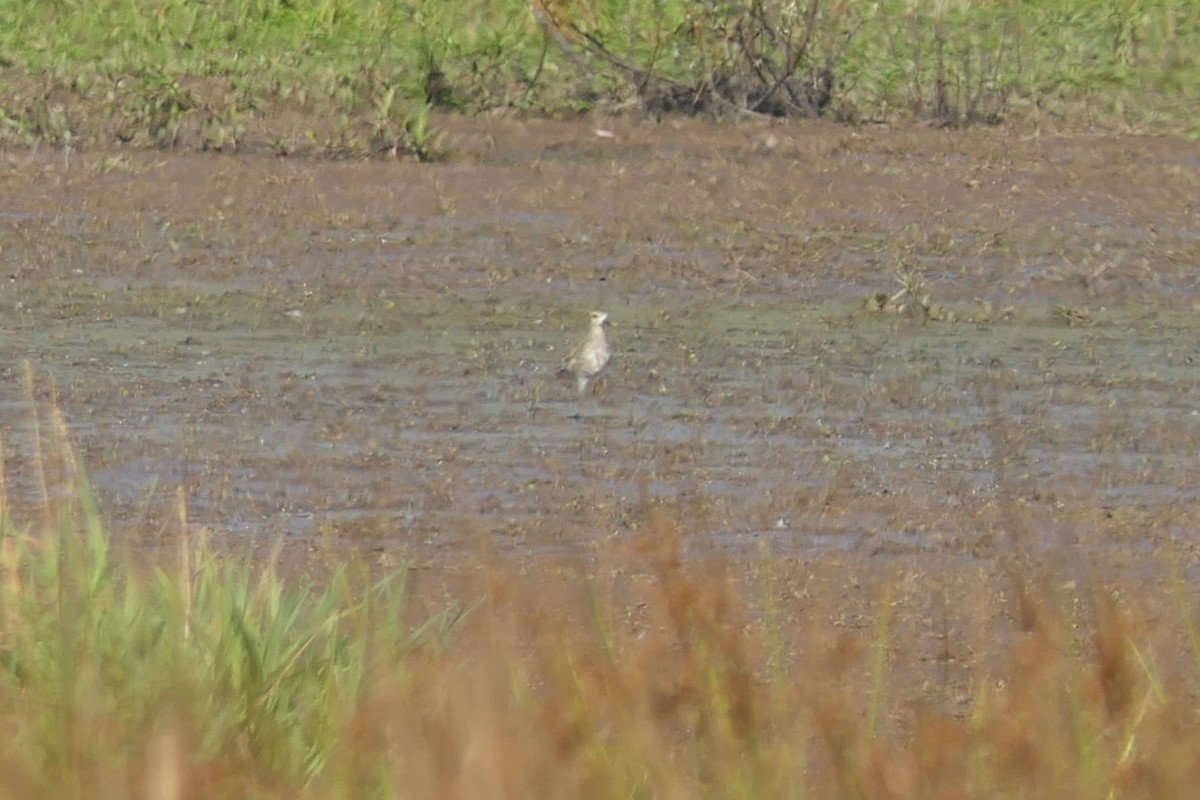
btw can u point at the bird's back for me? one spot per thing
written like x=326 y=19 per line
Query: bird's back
x=592 y=355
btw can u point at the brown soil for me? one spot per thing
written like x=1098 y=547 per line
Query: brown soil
x=361 y=357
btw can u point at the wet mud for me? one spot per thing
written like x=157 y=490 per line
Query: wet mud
x=366 y=354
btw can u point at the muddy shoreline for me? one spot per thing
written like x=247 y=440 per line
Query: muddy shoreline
x=365 y=352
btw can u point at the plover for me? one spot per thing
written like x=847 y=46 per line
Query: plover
x=587 y=360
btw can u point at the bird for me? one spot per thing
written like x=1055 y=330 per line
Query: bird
x=588 y=359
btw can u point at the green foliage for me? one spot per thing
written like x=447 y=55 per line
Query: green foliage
x=210 y=675
x=95 y=655
x=154 y=65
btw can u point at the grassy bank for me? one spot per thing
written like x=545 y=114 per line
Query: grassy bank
x=354 y=77
x=208 y=674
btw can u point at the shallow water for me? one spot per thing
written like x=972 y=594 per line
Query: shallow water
x=368 y=352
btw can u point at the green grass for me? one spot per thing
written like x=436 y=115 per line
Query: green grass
x=209 y=674
x=359 y=76
x=110 y=669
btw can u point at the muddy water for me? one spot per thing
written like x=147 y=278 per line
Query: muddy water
x=367 y=353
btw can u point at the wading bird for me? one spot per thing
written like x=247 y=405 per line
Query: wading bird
x=587 y=360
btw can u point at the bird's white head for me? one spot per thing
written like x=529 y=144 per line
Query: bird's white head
x=599 y=318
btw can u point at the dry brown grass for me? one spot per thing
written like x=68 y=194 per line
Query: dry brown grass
x=655 y=682
x=654 y=671
x=653 y=676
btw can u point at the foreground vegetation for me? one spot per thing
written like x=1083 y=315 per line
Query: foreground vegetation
x=208 y=674
x=361 y=76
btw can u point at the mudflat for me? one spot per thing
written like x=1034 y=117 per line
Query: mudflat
x=851 y=353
